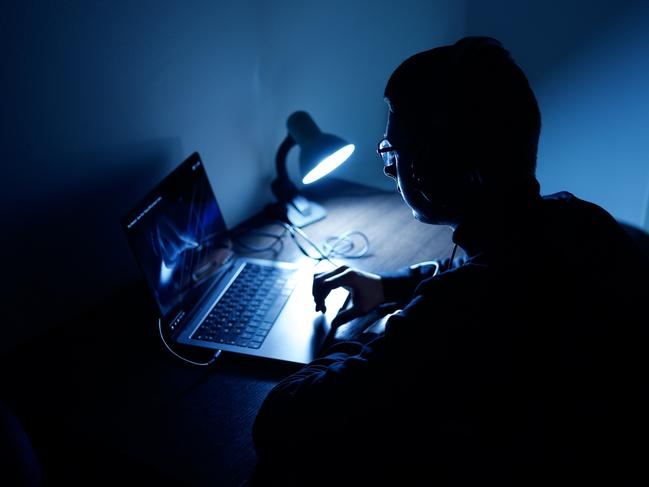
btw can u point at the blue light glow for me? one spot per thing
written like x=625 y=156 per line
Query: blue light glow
x=165 y=272
x=328 y=164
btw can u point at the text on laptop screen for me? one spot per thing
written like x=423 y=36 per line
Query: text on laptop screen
x=179 y=237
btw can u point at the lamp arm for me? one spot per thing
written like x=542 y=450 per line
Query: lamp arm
x=280 y=158
x=283 y=189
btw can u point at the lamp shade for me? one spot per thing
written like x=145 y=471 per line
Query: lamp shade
x=320 y=153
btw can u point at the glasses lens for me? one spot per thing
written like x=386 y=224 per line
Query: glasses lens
x=388 y=156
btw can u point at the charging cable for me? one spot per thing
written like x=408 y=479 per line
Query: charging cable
x=217 y=353
x=428 y=263
x=341 y=246
x=345 y=246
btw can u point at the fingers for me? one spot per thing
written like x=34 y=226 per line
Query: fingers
x=325 y=275
x=321 y=290
x=346 y=315
x=348 y=279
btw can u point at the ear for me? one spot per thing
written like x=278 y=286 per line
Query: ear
x=410 y=169
x=422 y=156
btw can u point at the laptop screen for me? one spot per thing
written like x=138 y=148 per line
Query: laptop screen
x=179 y=237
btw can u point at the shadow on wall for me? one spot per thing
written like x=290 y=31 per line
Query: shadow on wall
x=67 y=250
x=544 y=34
x=586 y=62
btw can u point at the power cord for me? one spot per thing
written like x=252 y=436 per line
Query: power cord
x=217 y=353
x=344 y=246
x=431 y=263
x=276 y=240
x=450 y=265
x=435 y=263
x=341 y=246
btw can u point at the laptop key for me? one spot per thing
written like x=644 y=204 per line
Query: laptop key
x=259 y=315
x=261 y=333
x=265 y=290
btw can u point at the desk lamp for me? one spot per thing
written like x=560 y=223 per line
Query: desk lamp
x=320 y=153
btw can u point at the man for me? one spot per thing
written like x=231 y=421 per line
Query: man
x=517 y=366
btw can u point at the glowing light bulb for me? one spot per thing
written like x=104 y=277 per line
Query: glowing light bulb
x=328 y=164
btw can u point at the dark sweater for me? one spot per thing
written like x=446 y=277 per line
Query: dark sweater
x=518 y=365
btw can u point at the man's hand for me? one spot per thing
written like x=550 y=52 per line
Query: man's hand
x=366 y=291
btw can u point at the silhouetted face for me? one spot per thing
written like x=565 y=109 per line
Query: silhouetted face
x=425 y=173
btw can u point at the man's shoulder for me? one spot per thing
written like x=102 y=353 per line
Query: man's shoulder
x=578 y=218
x=570 y=226
x=568 y=202
x=459 y=280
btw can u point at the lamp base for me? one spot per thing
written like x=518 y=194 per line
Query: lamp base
x=300 y=212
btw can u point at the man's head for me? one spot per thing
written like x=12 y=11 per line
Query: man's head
x=462 y=118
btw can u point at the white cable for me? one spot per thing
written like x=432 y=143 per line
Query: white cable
x=210 y=362
x=332 y=245
x=293 y=230
x=341 y=246
x=450 y=265
x=433 y=263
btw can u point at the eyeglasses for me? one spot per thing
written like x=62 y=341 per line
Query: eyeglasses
x=386 y=152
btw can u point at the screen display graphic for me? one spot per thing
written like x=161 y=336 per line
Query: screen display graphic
x=179 y=237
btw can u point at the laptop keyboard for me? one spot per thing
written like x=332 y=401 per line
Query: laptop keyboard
x=247 y=311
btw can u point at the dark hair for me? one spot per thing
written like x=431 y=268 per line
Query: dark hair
x=492 y=115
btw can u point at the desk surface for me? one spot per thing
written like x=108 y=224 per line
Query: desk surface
x=97 y=406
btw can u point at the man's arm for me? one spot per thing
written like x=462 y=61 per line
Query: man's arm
x=399 y=286
x=370 y=290
x=340 y=407
x=321 y=409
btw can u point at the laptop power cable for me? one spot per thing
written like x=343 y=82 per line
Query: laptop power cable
x=344 y=246
x=217 y=353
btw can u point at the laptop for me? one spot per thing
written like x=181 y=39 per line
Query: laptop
x=207 y=295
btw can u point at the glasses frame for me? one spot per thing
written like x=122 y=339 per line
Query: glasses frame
x=382 y=151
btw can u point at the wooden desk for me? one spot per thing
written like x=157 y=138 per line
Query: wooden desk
x=397 y=239
x=102 y=409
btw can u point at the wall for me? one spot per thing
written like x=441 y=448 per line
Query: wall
x=587 y=62
x=334 y=58
x=102 y=98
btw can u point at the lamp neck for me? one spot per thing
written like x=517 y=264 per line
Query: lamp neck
x=283 y=189
x=282 y=153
